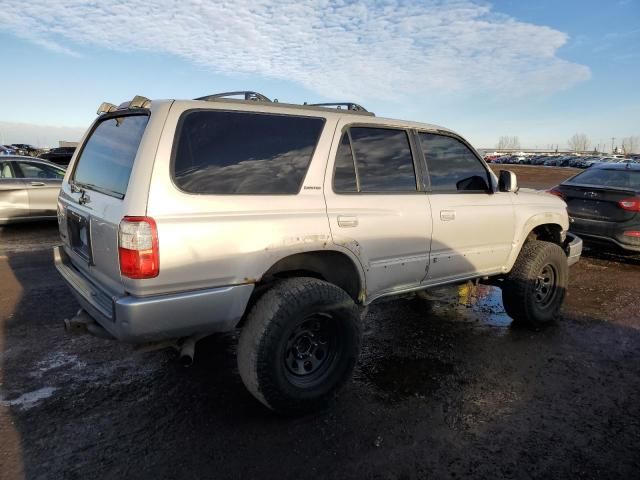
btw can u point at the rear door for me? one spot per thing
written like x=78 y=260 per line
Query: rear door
x=473 y=227
x=97 y=195
x=42 y=183
x=376 y=207
x=14 y=202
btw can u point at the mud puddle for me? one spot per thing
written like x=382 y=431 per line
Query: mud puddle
x=469 y=303
x=397 y=378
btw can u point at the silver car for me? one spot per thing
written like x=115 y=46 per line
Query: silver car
x=28 y=189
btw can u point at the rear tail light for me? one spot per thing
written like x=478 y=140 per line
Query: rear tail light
x=138 y=247
x=631 y=204
x=632 y=233
x=555 y=191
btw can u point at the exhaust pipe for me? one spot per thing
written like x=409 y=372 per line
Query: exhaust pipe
x=188 y=349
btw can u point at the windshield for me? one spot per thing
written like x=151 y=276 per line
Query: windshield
x=107 y=157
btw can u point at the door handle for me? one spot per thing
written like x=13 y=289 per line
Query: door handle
x=447 y=215
x=347 y=221
x=37 y=184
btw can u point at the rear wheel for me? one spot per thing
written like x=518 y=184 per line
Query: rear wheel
x=535 y=288
x=299 y=345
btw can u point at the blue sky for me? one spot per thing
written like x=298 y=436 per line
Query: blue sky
x=541 y=70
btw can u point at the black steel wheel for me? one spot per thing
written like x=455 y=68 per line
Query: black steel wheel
x=311 y=349
x=545 y=288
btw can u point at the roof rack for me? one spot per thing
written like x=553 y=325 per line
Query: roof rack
x=248 y=95
x=354 y=107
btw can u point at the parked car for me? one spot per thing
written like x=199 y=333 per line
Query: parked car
x=6 y=150
x=28 y=189
x=59 y=155
x=604 y=204
x=183 y=218
x=25 y=149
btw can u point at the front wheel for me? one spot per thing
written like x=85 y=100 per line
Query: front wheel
x=534 y=290
x=299 y=345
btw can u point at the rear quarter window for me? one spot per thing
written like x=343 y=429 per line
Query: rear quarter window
x=223 y=152
x=107 y=157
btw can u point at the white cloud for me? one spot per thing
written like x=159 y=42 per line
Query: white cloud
x=340 y=48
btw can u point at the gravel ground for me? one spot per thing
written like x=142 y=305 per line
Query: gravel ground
x=444 y=390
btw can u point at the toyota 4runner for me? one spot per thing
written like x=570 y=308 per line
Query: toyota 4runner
x=184 y=218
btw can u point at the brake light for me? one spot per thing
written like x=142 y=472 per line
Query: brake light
x=631 y=204
x=632 y=233
x=138 y=247
x=555 y=191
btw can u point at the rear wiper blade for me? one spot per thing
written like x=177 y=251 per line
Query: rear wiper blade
x=97 y=188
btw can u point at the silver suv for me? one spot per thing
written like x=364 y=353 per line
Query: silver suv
x=183 y=218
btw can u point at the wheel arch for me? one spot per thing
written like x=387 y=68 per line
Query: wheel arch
x=333 y=266
x=546 y=227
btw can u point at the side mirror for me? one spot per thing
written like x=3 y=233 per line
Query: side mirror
x=507 y=181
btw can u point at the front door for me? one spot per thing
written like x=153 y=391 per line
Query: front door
x=14 y=202
x=43 y=185
x=375 y=207
x=473 y=227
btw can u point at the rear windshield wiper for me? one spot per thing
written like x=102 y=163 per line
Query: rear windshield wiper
x=97 y=188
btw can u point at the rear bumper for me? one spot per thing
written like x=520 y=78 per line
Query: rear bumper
x=607 y=232
x=609 y=241
x=573 y=248
x=137 y=319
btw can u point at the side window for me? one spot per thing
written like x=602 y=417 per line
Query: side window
x=220 y=152
x=452 y=166
x=5 y=170
x=383 y=162
x=36 y=170
x=344 y=179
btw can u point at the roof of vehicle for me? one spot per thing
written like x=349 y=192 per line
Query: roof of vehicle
x=306 y=110
x=259 y=103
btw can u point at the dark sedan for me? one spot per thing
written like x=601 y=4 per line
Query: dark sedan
x=604 y=204
x=60 y=155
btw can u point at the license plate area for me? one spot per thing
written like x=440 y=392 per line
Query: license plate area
x=78 y=228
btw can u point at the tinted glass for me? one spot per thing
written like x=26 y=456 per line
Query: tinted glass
x=609 y=178
x=244 y=153
x=344 y=179
x=107 y=157
x=452 y=166
x=384 y=161
x=37 y=170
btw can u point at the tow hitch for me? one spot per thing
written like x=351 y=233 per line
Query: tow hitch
x=82 y=323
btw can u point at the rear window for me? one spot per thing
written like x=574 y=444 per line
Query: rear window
x=220 y=152
x=628 y=179
x=107 y=157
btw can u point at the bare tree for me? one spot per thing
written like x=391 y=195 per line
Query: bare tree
x=631 y=145
x=508 y=143
x=579 y=142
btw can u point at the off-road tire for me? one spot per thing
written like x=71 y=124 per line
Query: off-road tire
x=264 y=345
x=521 y=290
